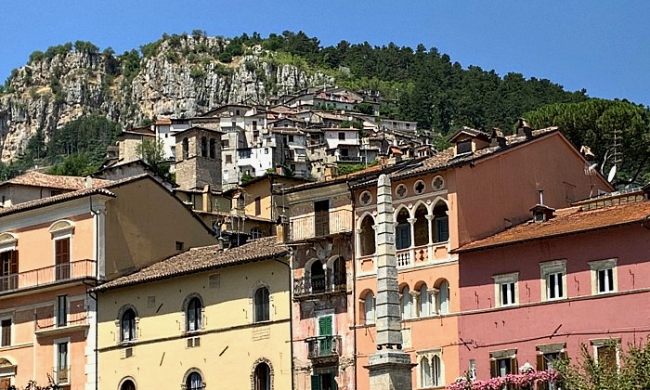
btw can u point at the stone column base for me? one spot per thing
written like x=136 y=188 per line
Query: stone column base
x=390 y=370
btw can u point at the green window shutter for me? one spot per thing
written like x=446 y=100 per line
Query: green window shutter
x=325 y=326
x=315 y=382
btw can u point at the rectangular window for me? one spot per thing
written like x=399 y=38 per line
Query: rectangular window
x=62 y=359
x=6 y=332
x=225 y=143
x=341 y=136
x=554 y=287
x=9 y=271
x=62 y=258
x=603 y=279
x=290 y=138
x=553 y=279
x=62 y=310
x=506 y=289
x=321 y=218
x=258 y=206
x=606 y=355
x=464 y=147
x=228 y=159
x=442 y=229
x=254 y=125
x=503 y=363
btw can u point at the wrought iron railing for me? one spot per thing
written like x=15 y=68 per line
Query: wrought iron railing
x=319 y=284
x=323 y=346
x=48 y=275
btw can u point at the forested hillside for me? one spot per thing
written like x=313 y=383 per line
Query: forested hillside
x=188 y=74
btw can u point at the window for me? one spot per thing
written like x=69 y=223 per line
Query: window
x=6 y=323
x=204 y=147
x=262 y=304
x=405 y=303
x=62 y=258
x=339 y=275
x=367 y=236
x=431 y=369
x=603 y=278
x=194 y=381
x=503 y=363
x=180 y=245
x=440 y=222
x=193 y=315
x=225 y=143
x=402 y=230
x=464 y=147
x=62 y=310
x=365 y=198
x=421 y=226
x=424 y=301
x=256 y=233
x=186 y=148
x=127 y=385
x=548 y=358
x=341 y=136
x=9 y=271
x=321 y=218
x=317 y=277
x=606 y=352
x=401 y=191
x=262 y=377
x=228 y=159
x=213 y=148
x=369 y=308
x=506 y=289
x=553 y=279
x=324 y=381
x=254 y=125
x=442 y=298
x=290 y=138
x=127 y=325
x=258 y=205
x=61 y=373
x=419 y=187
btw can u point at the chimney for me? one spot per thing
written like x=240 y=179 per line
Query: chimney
x=205 y=198
x=523 y=128
x=587 y=153
x=281 y=230
x=331 y=171
x=497 y=138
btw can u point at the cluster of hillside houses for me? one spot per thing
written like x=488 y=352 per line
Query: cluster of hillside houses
x=509 y=250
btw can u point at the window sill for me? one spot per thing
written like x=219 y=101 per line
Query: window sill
x=60 y=330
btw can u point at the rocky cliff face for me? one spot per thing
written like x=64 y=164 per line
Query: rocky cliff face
x=181 y=78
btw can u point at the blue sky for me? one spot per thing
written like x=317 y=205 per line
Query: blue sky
x=602 y=46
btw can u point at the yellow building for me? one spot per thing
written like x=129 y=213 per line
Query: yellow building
x=206 y=318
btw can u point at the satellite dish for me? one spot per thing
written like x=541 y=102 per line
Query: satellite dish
x=612 y=173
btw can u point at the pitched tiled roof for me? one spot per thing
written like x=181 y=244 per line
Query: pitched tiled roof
x=199 y=260
x=568 y=221
x=446 y=159
x=33 y=204
x=38 y=179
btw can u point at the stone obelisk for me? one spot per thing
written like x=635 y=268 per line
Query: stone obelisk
x=389 y=367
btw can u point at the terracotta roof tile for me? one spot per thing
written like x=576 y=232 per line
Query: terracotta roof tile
x=568 y=221
x=38 y=179
x=33 y=204
x=199 y=260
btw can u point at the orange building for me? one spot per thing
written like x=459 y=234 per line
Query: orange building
x=480 y=186
x=54 y=248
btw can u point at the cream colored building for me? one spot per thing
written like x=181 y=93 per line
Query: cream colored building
x=207 y=318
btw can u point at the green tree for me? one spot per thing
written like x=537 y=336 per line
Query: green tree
x=152 y=152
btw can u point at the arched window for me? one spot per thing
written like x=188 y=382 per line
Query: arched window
x=262 y=377
x=127 y=325
x=186 y=148
x=402 y=230
x=367 y=236
x=436 y=371
x=424 y=301
x=204 y=147
x=440 y=222
x=317 y=277
x=213 y=148
x=127 y=385
x=405 y=303
x=425 y=373
x=421 y=226
x=369 y=307
x=193 y=315
x=194 y=381
x=339 y=274
x=262 y=312
x=443 y=297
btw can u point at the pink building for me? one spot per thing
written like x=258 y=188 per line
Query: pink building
x=571 y=277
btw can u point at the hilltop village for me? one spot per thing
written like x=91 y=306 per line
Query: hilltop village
x=303 y=242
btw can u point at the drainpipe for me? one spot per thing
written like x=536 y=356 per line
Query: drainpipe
x=290 y=311
x=354 y=287
x=96 y=214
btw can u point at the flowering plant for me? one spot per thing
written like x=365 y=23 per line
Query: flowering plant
x=528 y=379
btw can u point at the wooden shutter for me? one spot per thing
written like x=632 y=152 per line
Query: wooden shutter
x=6 y=332
x=514 y=368
x=321 y=218
x=325 y=326
x=13 y=265
x=494 y=369
x=315 y=382
x=62 y=247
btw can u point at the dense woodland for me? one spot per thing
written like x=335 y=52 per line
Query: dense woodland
x=418 y=84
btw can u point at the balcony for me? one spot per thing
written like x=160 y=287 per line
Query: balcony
x=304 y=227
x=59 y=273
x=349 y=159
x=319 y=284
x=324 y=349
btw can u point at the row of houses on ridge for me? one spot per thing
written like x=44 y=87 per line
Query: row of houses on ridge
x=509 y=250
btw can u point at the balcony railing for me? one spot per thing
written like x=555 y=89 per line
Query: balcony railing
x=404 y=258
x=324 y=347
x=48 y=275
x=303 y=227
x=349 y=158
x=319 y=284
